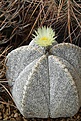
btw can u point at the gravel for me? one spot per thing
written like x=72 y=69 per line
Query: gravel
x=9 y=113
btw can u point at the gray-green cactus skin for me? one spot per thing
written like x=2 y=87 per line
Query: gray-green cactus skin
x=45 y=84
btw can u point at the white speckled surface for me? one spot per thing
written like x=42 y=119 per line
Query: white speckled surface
x=45 y=85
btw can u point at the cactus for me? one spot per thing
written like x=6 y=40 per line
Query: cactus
x=45 y=83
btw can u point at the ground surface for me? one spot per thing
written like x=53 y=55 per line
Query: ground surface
x=10 y=113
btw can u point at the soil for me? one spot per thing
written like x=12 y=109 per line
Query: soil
x=9 y=112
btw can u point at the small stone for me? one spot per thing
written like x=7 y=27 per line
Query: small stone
x=0 y=117
x=16 y=115
x=7 y=112
x=78 y=117
x=13 y=119
x=0 y=113
x=6 y=118
x=4 y=115
x=25 y=119
x=12 y=115
x=19 y=118
x=1 y=107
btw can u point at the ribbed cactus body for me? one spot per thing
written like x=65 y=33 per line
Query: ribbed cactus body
x=45 y=84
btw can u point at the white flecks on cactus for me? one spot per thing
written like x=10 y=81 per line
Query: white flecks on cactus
x=45 y=83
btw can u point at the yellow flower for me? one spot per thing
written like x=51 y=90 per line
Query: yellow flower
x=44 y=36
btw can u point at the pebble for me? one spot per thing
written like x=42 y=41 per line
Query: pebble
x=19 y=118
x=0 y=117
x=13 y=119
x=6 y=118
x=25 y=119
x=1 y=106
x=16 y=115
x=12 y=115
x=0 y=113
